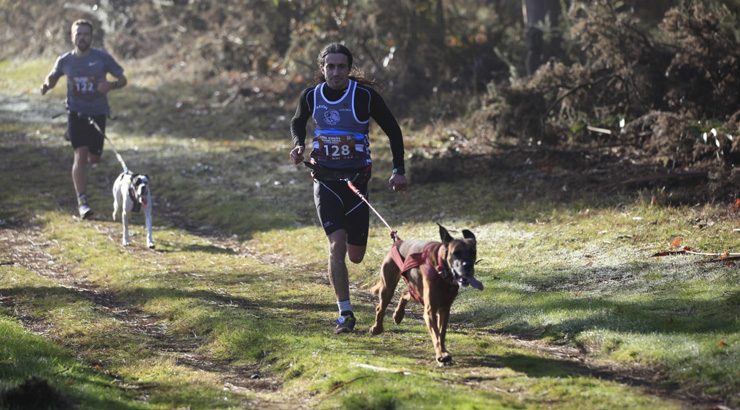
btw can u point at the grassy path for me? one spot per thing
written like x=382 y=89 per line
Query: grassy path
x=233 y=309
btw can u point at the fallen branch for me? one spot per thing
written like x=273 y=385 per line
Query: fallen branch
x=599 y=130
x=688 y=251
x=381 y=369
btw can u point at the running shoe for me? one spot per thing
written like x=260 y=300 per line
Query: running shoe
x=345 y=323
x=85 y=211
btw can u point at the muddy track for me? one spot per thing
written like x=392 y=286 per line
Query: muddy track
x=28 y=249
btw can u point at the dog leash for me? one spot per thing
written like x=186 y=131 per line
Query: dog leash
x=353 y=188
x=97 y=128
x=120 y=158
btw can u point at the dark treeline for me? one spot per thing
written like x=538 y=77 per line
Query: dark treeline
x=413 y=46
x=669 y=68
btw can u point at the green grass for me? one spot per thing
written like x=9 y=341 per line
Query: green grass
x=26 y=77
x=237 y=285
x=23 y=355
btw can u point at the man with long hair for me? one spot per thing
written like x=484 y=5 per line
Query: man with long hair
x=341 y=106
x=86 y=69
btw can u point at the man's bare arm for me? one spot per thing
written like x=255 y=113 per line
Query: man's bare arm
x=49 y=83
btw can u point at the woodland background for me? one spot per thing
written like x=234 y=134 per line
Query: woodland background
x=661 y=77
x=603 y=190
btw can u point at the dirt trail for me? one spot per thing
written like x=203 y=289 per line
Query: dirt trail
x=26 y=246
x=28 y=249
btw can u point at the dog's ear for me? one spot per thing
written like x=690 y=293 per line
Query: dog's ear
x=444 y=235
x=468 y=234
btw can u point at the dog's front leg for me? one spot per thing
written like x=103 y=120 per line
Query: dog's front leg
x=116 y=195
x=430 y=317
x=148 y=221
x=443 y=314
x=124 y=220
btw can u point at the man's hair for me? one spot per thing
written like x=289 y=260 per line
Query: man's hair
x=334 y=48
x=354 y=73
x=81 y=22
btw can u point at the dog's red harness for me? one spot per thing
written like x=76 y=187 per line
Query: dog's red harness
x=424 y=260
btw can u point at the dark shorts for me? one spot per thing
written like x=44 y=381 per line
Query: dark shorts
x=340 y=208
x=82 y=134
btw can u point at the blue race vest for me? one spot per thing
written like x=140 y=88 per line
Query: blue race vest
x=340 y=139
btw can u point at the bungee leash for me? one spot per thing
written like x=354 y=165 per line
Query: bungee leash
x=315 y=168
x=97 y=128
x=353 y=188
x=118 y=156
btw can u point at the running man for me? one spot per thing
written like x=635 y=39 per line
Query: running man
x=86 y=69
x=341 y=106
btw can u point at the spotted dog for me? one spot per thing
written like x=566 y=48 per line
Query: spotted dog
x=131 y=192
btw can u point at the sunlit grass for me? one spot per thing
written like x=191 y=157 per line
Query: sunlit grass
x=23 y=354
x=26 y=77
x=273 y=327
x=574 y=273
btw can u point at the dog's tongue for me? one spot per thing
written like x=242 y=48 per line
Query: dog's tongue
x=475 y=283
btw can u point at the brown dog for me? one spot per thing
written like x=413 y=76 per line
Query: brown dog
x=433 y=272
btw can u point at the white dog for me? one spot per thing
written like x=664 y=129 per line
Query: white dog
x=131 y=191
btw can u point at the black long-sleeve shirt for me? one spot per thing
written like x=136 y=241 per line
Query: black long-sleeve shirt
x=368 y=103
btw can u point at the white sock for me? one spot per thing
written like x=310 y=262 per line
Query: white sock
x=344 y=306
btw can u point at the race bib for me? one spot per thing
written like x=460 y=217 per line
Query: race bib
x=84 y=85
x=336 y=147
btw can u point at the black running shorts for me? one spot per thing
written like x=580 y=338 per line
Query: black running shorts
x=83 y=134
x=340 y=208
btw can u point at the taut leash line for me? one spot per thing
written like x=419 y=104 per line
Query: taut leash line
x=97 y=128
x=394 y=234
x=118 y=156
